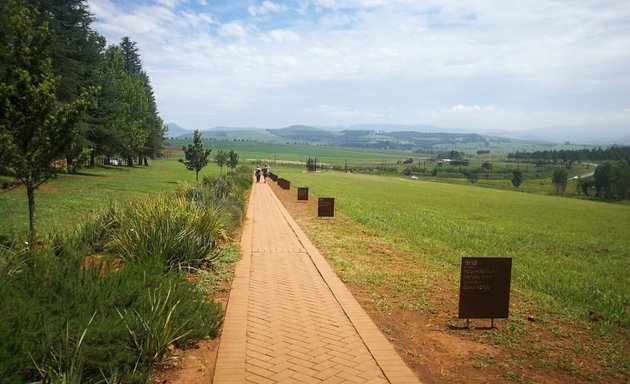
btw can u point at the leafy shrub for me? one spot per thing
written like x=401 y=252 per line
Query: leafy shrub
x=95 y=232
x=158 y=322
x=173 y=231
x=70 y=312
x=63 y=321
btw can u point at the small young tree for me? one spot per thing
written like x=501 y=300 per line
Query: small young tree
x=559 y=179
x=35 y=128
x=472 y=177
x=232 y=159
x=517 y=178
x=221 y=158
x=196 y=156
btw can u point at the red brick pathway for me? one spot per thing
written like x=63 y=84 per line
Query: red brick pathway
x=290 y=319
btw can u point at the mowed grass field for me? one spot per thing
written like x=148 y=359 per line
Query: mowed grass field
x=575 y=254
x=398 y=243
x=63 y=202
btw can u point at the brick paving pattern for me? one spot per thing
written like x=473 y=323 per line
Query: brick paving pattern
x=290 y=319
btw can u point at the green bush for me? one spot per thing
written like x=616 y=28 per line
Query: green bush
x=72 y=312
x=170 y=230
x=95 y=232
x=60 y=319
x=179 y=231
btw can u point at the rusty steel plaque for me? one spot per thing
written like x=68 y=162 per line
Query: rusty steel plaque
x=284 y=183
x=302 y=193
x=484 y=289
x=326 y=207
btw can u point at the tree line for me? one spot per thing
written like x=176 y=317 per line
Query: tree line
x=65 y=94
x=611 y=179
x=614 y=152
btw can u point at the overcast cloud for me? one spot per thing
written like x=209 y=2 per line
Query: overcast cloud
x=475 y=64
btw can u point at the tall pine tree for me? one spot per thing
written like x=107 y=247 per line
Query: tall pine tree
x=35 y=128
x=152 y=124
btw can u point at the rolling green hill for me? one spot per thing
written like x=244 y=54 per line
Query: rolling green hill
x=378 y=139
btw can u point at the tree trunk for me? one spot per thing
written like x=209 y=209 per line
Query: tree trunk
x=146 y=162
x=92 y=158
x=32 y=218
x=197 y=176
x=130 y=161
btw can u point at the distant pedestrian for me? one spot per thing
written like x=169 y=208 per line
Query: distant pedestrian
x=265 y=172
x=258 y=172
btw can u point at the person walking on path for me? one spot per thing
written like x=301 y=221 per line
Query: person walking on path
x=265 y=172
x=258 y=172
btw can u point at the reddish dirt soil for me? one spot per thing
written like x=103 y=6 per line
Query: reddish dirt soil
x=190 y=366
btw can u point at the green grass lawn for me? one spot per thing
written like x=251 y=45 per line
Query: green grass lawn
x=572 y=252
x=63 y=202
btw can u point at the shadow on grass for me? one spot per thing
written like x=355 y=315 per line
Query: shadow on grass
x=85 y=174
x=471 y=328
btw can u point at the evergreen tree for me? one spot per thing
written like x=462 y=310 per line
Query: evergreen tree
x=559 y=179
x=196 y=156
x=603 y=180
x=131 y=56
x=35 y=128
x=221 y=158
x=124 y=109
x=517 y=178
x=612 y=180
x=232 y=159
x=621 y=179
x=75 y=47
x=153 y=124
x=75 y=52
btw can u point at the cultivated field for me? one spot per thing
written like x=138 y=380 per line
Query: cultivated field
x=267 y=152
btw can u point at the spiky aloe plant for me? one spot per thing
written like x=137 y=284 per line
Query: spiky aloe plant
x=174 y=231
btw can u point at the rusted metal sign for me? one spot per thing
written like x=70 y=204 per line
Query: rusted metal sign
x=484 y=290
x=284 y=183
x=302 y=193
x=326 y=207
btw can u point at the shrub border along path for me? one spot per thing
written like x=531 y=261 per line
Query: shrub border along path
x=289 y=317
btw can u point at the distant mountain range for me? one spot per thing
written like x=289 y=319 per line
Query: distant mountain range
x=577 y=134
x=174 y=130
x=411 y=136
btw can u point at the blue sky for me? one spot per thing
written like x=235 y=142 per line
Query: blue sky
x=471 y=64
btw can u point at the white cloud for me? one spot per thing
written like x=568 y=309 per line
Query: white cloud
x=266 y=8
x=233 y=30
x=461 y=108
x=283 y=35
x=169 y=3
x=443 y=62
